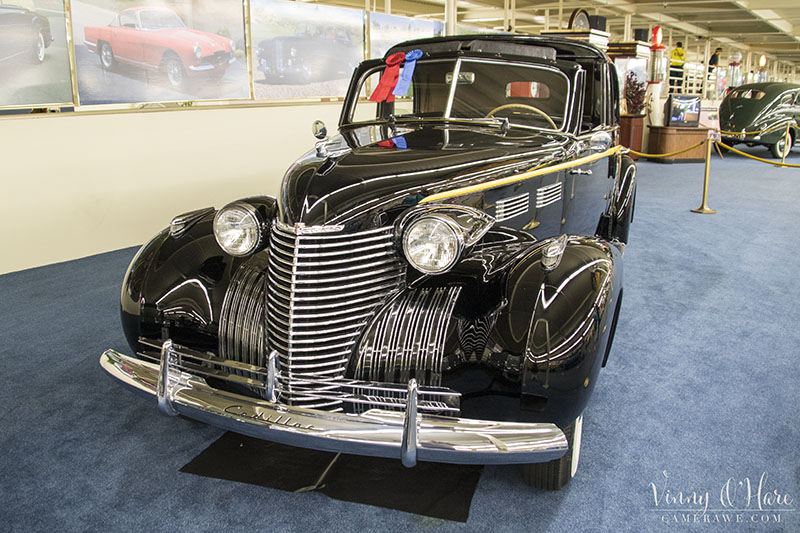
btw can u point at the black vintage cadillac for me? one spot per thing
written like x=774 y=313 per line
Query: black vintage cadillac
x=440 y=281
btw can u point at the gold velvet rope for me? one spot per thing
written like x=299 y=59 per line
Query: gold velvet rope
x=777 y=164
x=656 y=156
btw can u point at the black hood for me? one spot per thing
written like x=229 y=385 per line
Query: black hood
x=365 y=174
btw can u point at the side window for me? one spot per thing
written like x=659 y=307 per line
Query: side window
x=786 y=100
x=592 y=97
x=127 y=20
x=613 y=94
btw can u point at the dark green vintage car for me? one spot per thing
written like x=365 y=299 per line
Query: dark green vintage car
x=760 y=112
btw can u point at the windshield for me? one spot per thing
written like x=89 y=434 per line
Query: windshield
x=160 y=19
x=527 y=95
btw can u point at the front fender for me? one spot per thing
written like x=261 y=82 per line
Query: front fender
x=179 y=283
x=559 y=322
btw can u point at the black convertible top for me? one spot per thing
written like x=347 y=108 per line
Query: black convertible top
x=543 y=47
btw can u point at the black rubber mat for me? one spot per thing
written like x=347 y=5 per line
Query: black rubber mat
x=430 y=489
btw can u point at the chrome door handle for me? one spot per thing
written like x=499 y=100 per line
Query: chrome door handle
x=588 y=172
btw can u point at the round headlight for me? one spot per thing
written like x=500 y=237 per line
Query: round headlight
x=237 y=229
x=233 y=46
x=432 y=244
x=197 y=52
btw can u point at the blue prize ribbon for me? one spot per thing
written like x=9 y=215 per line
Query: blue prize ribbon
x=408 y=71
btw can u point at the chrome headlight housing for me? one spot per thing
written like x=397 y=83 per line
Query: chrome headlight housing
x=432 y=244
x=238 y=229
x=198 y=53
x=434 y=238
x=233 y=46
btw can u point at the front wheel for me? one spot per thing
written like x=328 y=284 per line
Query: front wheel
x=782 y=148
x=555 y=474
x=173 y=69
x=37 y=53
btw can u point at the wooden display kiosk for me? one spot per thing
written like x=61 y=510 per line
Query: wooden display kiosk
x=669 y=139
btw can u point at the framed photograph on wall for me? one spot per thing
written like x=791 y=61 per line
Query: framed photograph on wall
x=388 y=30
x=134 y=51
x=34 y=63
x=302 y=50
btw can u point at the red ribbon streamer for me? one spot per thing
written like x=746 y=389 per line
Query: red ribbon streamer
x=383 y=92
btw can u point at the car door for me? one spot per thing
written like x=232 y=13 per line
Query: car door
x=587 y=185
x=15 y=31
x=126 y=39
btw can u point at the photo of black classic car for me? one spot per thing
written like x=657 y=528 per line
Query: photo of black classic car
x=439 y=281
x=23 y=32
x=315 y=52
x=759 y=114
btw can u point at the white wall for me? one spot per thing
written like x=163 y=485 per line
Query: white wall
x=74 y=185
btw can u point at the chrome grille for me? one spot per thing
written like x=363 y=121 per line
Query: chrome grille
x=323 y=288
x=407 y=340
x=241 y=321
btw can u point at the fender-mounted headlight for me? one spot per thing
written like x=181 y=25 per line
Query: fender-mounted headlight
x=238 y=229
x=432 y=245
x=233 y=45
x=198 y=53
x=434 y=238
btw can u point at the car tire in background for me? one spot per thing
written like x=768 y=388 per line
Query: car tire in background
x=106 y=55
x=39 y=45
x=782 y=148
x=555 y=474
x=173 y=70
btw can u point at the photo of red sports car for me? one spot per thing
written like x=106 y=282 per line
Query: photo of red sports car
x=156 y=38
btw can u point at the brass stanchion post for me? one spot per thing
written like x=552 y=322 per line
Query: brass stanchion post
x=704 y=209
x=787 y=139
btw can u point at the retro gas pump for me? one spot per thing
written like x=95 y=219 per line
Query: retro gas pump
x=657 y=75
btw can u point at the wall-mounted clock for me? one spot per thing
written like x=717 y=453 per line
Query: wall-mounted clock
x=579 y=20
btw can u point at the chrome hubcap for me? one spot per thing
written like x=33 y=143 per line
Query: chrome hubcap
x=174 y=73
x=106 y=55
x=40 y=48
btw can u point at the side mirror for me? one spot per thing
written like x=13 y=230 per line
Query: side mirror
x=319 y=130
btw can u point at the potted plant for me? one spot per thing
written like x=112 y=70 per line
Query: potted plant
x=632 y=120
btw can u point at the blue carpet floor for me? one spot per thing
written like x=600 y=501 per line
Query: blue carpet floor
x=702 y=388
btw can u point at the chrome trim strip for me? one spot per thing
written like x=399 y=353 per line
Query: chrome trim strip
x=200 y=68
x=375 y=432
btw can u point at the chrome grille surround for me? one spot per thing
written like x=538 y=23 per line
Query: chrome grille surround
x=324 y=285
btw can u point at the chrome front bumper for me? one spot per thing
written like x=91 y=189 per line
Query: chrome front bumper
x=406 y=435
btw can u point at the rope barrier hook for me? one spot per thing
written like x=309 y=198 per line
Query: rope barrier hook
x=704 y=209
